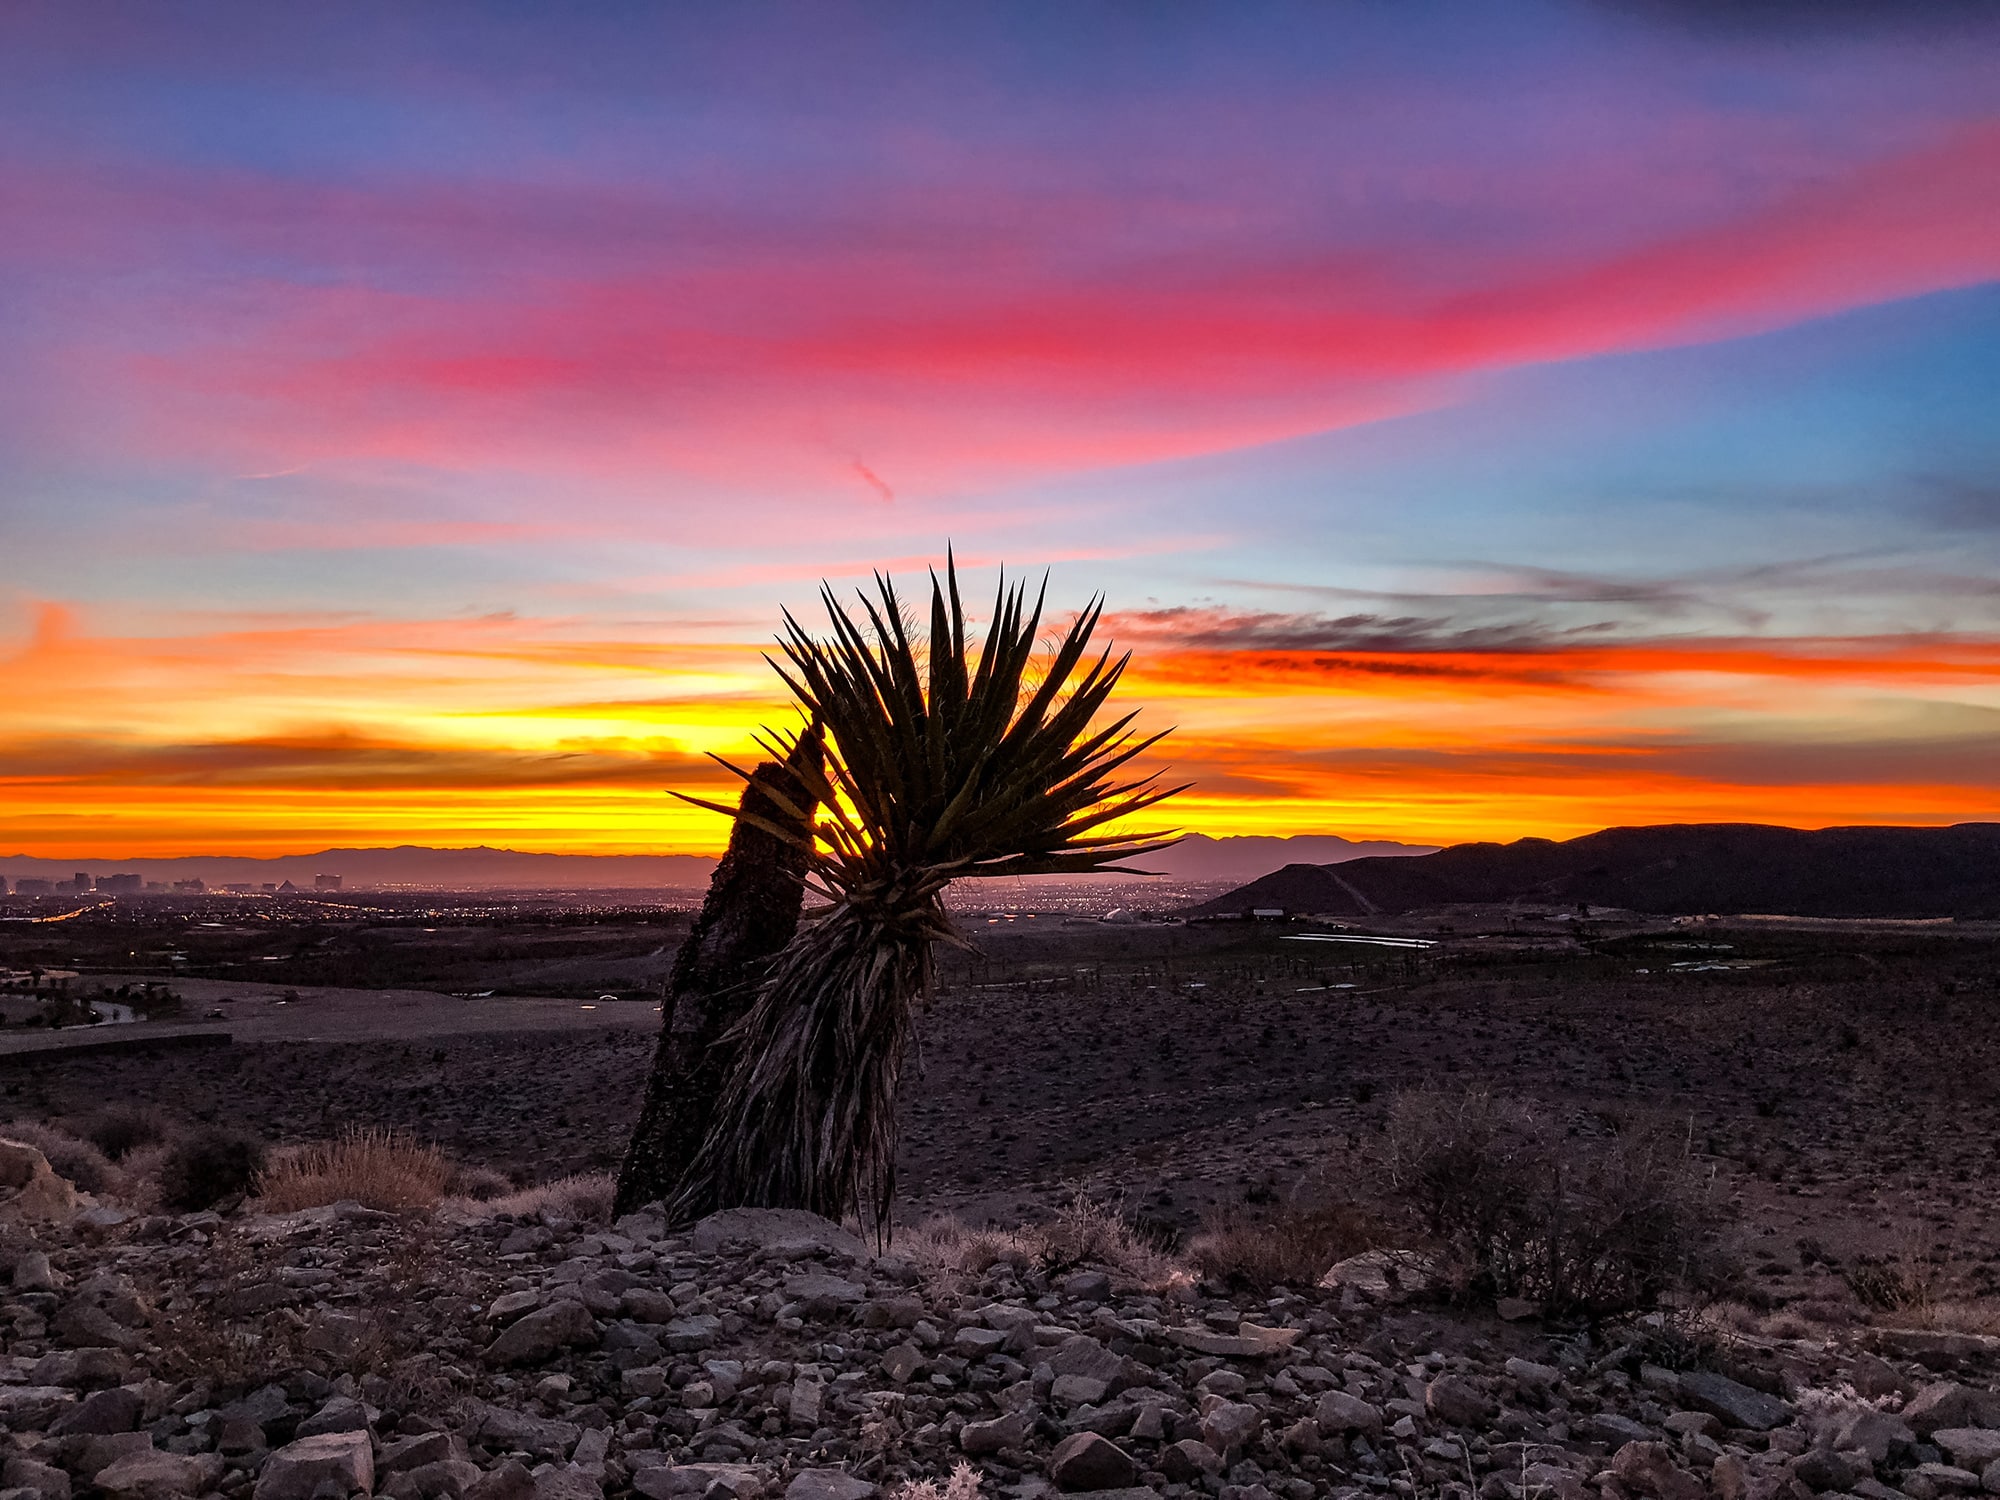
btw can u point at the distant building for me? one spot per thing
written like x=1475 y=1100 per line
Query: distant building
x=190 y=887
x=326 y=882
x=288 y=889
x=120 y=884
x=30 y=885
x=83 y=882
x=271 y=886
x=3 y=885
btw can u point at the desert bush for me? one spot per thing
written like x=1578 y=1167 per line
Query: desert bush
x=1292 y=1248
x=480 y=1184
x=202 y=1169
x=1084 y=1233
x=122 y=1128
x=1517 y=1207
x=77 y=1160
x=375 y=1168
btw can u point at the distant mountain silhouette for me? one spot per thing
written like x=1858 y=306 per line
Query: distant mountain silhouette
x=1197 y=857
x=1675 y=869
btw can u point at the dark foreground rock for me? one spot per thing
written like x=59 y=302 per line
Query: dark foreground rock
x=341 y=1351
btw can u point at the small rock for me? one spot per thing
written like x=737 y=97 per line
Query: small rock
x=1188 y=1460
x=902 y=1362
x=675 y=1481
x=507 y=1481
x=1821 y=1470
x=39 y=1479
x=1087 y=1286
x=1649 y=1469
x=1085 y=1461
x=340 y=1414
x=1949 y=1404
x=776 y=1229
x=1230 y=1425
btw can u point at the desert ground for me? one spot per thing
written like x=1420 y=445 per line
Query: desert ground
x=1840 y=1081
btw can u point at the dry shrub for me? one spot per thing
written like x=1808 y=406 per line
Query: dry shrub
x=1083 y=1233
x=77 y=1160
x=1908 y=1285
x=582 y=1199
x=375 y=1168
x=208 y=1166
x=1293 y=1248
x=1581 y=1225
x=121 y=1129
x=480 y=1184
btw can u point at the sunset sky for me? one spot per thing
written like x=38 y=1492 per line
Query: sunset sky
x=1482 y=420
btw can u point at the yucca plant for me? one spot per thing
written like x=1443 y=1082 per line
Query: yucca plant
x=937 y=767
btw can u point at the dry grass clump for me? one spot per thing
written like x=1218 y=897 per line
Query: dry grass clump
x=1293 y=1248
x=581 y=1199
x=1084 y=1233
x=963 y=1485
x=375 y=1168
x=1519 y=1207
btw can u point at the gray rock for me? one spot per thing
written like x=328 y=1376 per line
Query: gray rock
x=157 y=1476
x=1456 y=1402
x=539 y=1436
x=511 y=1305
x=829 y=1484
x=507 y=1481
x=116 y=1409
x=99 y=1453
x=1870 y=1431
x=1649 y=1469
x=674 y=1481
x=30 y=1408
x=1612 y=1429
x=1949 y=1404
x=823 y=1296
x=340 y=1414
x=1083 y=1355
x=1734 y=1402
x=902 y=1362
x=1087 y=1286
x=297 y=1470
x=542 y=1334
x=687 y=1335
x=776 y=1229
x=1085 y=1461
x=567 y=1482
x=414 y=1452
x=1822 y=1470
x=1229 y=1425
x=1969 y=1447
x=23 y=1473
x=1071 y=1391
x=984 y=1439
x=1534 y=1376
x=1187 y=1461
x=1338 y=1412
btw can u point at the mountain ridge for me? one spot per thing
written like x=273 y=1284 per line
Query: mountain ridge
x=1676 y=869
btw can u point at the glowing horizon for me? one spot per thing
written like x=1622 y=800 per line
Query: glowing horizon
x=411 y=428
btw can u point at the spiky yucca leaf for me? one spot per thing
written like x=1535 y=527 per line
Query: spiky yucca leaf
x=937 y=767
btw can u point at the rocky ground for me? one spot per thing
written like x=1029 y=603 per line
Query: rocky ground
x=339 y=1350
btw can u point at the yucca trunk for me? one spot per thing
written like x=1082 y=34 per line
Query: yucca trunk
x=808 y=1119
x=747 y=918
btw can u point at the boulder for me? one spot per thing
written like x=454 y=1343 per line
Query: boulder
x=1734 y=1402
x=776 y=1229
x=984 y=1439
x=1949 y=1404
x=30 y=1190
x=1230 y=1425
x=44 y=1481
x=343 y=1460
x=504 y=1427
x=114 y=1409
x=541 y=1335
x=1823 y=1471
x=1456 y=1402
x=506 y=1481
x=1969 y=1447
x=1085 y=1461
x=158 y=1476
x=676 y=1481
x=567 y=1482
x=1339 y=1412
